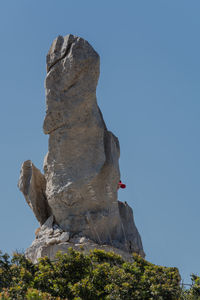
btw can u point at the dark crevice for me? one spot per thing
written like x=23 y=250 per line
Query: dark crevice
x=71 y=86
x=63 y=56
x=52 y=130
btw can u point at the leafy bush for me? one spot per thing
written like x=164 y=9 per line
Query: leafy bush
x=99 y=275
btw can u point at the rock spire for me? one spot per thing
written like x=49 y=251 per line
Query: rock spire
x=77 y=195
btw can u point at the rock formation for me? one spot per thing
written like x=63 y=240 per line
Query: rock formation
x=76 y=198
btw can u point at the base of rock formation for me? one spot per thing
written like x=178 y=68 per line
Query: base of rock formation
x=50 y=239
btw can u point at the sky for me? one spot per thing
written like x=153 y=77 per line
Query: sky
x=149 y=94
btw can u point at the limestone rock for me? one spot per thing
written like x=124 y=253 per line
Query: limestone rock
x=32 y=184
x=47 y=236
x=64 y=237
x=81 y=167
x=50 y=250
x=49 y=245
x=78 y=191
x=48 y=224
x=133 y=239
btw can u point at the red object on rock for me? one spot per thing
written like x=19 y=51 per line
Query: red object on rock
x=121 y=185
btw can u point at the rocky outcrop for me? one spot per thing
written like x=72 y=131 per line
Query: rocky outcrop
x=133 y=239
x=32 y=184
x=81 y=171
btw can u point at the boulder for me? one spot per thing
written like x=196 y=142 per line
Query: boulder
x=32 y=184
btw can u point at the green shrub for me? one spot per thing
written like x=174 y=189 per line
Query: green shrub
x=99 y=275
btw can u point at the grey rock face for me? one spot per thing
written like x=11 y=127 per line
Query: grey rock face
x=51 y=238
x=81 y=170
x=81 y=167
x=133 y=239
x=32 y=184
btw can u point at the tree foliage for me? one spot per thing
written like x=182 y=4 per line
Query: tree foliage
x=98 y=275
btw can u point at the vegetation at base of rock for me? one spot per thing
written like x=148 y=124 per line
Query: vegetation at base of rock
x=98 y=275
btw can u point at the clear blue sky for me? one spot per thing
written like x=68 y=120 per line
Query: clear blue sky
x=149 y=93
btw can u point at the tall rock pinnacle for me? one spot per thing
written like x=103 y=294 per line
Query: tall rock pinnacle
x=78 y=190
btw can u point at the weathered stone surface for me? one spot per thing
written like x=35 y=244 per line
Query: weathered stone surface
x=33 y=184
x=64 y=237
x=133 y=239
x=47 y=236
x=81 y=167
x=81 y=170
x=49 y=242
